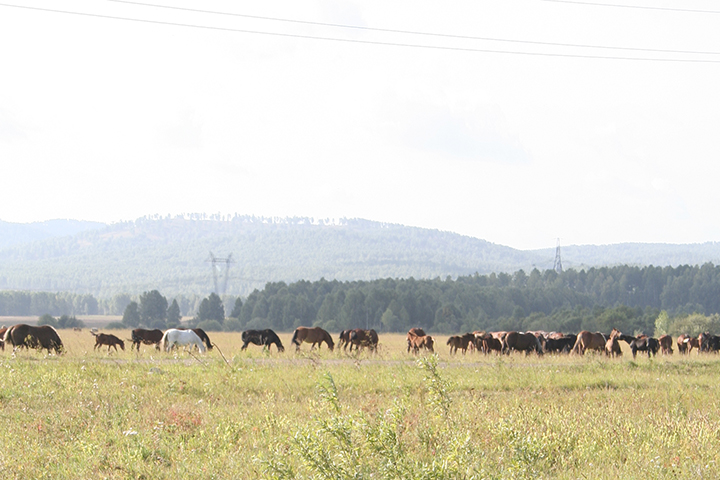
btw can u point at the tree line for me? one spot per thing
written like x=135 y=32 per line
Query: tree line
x=627 y=297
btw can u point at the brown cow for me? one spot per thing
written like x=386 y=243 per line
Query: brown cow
x=666 y=344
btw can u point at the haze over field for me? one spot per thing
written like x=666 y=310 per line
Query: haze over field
x=107 y=118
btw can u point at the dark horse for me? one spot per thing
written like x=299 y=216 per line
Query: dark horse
x=148 y=337
x=314 y=335
x=363 y=338
x=42 y=337
x=645 y=344
x=109 y=340
x=344 y=339
x=262 y=337
x=522 y=341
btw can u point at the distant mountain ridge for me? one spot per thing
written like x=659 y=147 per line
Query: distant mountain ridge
x=171 y=254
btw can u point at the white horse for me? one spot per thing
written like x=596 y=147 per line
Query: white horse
x=175 y=338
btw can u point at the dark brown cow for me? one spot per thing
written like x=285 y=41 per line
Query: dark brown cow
x=363 y=338
x=666 y=344
x=109 y=340
x=461 y=342
x=148 y=337
x=42 y=337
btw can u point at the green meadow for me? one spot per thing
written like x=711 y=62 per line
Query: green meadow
x=335 y=415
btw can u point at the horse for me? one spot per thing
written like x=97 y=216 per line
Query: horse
x=612 y=346
x=588 y=340
x=708 y=342
x=461 y=342
x=363 y=338
x=344 y=339
x=261 y=337
x=685 y=343
x=417 y=342
x=644 y=344
x=666 y=342
x=42 y=337
x=175 y=338
x=314 y=335
x=148 y=337
x=560 y=343
x=487 y=342
x=203 y=336
x=109 y=340
x=417 y=331
x=2 y=335
x=522 y=342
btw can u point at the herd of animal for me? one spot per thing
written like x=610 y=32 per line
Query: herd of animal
x=46 y=337
x=556 y=342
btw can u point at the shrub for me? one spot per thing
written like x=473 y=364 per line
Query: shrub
x=233 y=325
x=48 y=319
x=115 y=326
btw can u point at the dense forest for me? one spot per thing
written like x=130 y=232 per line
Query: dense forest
x=171 y=255
x=630 y=298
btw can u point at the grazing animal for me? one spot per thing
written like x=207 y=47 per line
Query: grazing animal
x=589 y=341
x=344 y=339
x=417 y=342
x=683 y=342
x=645 y=344
x=109 y=340
x=42 y=337
x=612 y=346
x=708 y=342
x=181 y=338
x=526 y=342
x=560 y=344
x=262 y=337
x=461 y=342
x=203 y=336
x=666 y=342
x=148 y=337
x=2 y=336
x=488 y=343
x=417 y=331
x=314 y=335
x=363 y=338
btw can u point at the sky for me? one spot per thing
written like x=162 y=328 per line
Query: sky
x=109 y=120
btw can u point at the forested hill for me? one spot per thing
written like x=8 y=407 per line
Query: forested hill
x=170 y=254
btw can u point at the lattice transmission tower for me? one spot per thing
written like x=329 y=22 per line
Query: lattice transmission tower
x=558 y=261
x=216 y=268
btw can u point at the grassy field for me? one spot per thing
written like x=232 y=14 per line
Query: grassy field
x=87 y=414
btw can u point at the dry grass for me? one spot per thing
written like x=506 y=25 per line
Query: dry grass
x=87 y=414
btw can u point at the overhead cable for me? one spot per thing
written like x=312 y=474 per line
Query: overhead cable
x=412 y=32
x=366 y=42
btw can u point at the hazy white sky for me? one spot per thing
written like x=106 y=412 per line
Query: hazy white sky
x=110 y=120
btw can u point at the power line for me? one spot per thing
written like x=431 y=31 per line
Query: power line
x=412 y=32
x=641 y=7
x=367 y=42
